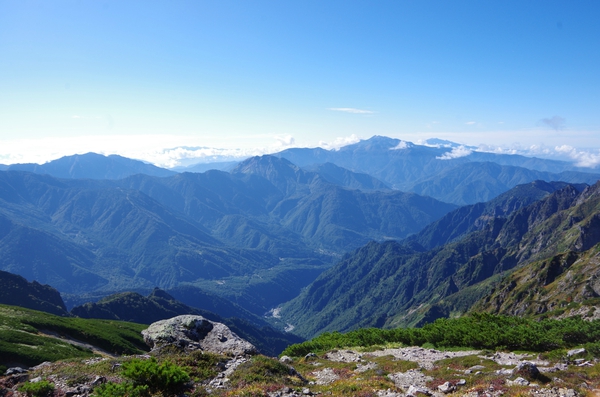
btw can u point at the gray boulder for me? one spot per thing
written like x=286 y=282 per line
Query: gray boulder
x=189 y=332
x=446 y=388
x=527 y=370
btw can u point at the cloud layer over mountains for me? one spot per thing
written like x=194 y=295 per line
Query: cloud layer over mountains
x=171 y=151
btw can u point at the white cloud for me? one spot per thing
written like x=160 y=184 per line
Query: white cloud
x=162 y=150
x=402 y=145
x=587 y=158
x=456 y=152
x=183 y=156
x=339 y=142
x=352 y=110
x=582 y=158
x=285 y=140
x=471 y=123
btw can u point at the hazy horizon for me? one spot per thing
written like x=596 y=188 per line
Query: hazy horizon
x=184 y=156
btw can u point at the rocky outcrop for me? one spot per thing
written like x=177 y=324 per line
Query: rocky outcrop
x=190 y=333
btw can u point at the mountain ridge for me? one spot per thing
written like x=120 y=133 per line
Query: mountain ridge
x=381 y=283
x=92 y=166
x=207 y=229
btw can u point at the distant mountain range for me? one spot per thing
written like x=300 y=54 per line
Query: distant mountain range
x=449 y=173
x=441 y=169
x=256 y=235
x=461 y=259
x=91 y=166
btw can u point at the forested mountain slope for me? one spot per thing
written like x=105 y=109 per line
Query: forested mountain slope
x=399 y=283
x=256 y=235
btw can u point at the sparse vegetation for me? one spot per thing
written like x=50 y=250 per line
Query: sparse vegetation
x=261 y=370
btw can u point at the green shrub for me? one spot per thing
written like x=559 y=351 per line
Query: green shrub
x=479 y=331
x=112 y=389
x=166 y=378
x=199 y=365
x=146 y=378
x=37 y=389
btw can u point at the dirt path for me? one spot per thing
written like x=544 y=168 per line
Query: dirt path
x=75 y=342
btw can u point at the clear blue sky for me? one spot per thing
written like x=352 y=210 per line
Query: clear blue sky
x=146 y=75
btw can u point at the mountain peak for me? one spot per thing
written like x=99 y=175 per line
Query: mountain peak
x=280 y=172
x=159 y=293
x=257 y=164
x=93 y=166
x=376 y=142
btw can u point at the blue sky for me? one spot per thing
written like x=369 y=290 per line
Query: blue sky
x=152 y=79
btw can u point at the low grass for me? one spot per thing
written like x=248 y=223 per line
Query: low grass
x=25 y=337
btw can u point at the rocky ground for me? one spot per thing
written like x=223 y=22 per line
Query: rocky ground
x=398 y=372
x=221 y=364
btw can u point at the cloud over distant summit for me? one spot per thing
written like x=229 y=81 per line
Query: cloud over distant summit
x=178 y=150
x=456 y=152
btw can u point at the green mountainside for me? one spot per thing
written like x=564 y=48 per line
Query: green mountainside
x=29 y=337
x=256 y=235
x=402 y=283
x=470 y=218
x=567 y=283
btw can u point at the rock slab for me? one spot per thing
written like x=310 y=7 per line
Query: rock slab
x=189 y=333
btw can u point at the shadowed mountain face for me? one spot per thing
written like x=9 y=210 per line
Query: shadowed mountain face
x=452 y=263
x=16 y=291
x=443 y=173
x=256 y=235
